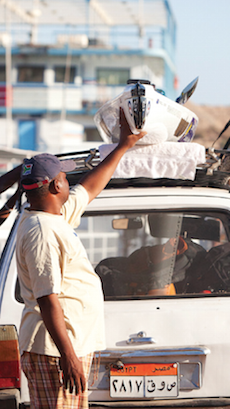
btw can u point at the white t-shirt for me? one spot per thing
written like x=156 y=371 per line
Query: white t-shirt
x=52 y=259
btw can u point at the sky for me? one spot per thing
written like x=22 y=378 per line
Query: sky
x=203 y=48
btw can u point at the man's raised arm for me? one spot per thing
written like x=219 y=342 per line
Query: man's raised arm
x=95 y=181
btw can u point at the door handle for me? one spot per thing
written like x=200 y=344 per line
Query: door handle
x=141 y=338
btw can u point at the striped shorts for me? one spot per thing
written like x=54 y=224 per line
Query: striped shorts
x=45 y=383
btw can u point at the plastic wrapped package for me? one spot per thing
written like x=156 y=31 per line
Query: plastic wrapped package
x=146 y=109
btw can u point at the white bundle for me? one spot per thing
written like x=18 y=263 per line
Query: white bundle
x=164 y=160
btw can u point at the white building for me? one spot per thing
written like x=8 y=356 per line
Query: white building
x=67 y=58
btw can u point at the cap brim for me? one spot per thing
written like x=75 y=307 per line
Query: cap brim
x=67 y=165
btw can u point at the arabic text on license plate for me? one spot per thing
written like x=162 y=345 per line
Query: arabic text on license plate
x=144 y=381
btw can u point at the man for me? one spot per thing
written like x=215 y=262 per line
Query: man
x=62 y=319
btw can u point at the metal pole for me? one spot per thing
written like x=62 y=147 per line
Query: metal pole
x=8 y=63
x=64 y=90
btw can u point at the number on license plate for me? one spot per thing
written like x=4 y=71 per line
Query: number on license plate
x=144 y=381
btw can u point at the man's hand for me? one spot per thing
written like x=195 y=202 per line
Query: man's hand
x=98 y=178
x=126 y=135
x=73 y=374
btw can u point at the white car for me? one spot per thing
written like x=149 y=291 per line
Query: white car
x=162 y=250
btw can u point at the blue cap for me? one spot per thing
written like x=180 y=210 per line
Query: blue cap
x=43 y=168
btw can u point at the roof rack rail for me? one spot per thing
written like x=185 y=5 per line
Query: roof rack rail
x=215 y=159
x=85 y=160
x=213 y=173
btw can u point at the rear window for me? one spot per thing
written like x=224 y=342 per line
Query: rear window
x=153 y=254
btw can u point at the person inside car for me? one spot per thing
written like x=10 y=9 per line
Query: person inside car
x=161 y=269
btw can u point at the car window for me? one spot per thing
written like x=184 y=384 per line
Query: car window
x=152 y=254
x=158 y=254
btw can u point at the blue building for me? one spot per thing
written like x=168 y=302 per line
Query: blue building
x=61 y=60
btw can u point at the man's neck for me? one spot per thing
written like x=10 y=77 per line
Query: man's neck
x=46 y=208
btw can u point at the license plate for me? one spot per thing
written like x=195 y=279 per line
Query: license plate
x=144 y=381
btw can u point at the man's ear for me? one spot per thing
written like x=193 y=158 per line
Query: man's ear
x=55 y=186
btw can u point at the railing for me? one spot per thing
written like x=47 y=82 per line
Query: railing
x=85 y=98
x=130 y=38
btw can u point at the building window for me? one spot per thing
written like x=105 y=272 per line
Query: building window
x=60 y=74
x=30 y=74
x=110 y=76
x=2 y=73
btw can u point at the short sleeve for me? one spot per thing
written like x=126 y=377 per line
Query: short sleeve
x=75 y=205
x=42 y=257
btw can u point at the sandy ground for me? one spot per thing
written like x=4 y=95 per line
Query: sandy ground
x=211 y=122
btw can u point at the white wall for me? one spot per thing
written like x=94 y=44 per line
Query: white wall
x=55 y=136
x=8 y=135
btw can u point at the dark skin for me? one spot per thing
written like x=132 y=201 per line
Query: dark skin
x=58 y=193
x=52 y=315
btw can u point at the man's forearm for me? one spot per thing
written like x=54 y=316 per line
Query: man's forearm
x=52 y=315
x=95 y=181
x=53 y=318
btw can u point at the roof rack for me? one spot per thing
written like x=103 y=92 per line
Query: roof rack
x=85 y=160
x=213 y=173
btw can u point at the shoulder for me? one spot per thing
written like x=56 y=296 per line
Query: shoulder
x=80 y=192
x=37 y=226
x=75 y=205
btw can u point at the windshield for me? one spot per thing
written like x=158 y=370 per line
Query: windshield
x=159 y=253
